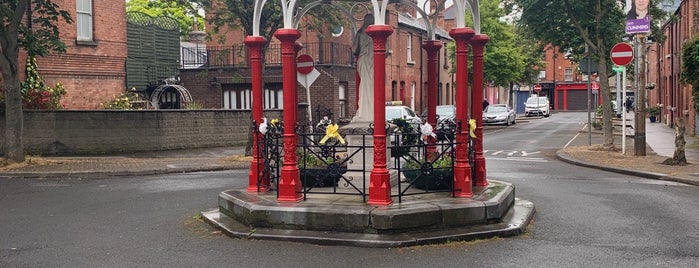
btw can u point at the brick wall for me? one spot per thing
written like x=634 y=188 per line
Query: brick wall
x=108 y=131
x=91 y=72
x=205 y=86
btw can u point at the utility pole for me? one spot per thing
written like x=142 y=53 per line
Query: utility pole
x=639 y=141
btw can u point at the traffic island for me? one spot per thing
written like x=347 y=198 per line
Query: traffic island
x=346 y=220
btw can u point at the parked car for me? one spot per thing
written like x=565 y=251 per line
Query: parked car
x=499 y=114
x=537 y=105
x=403 y=112
x=444 y=112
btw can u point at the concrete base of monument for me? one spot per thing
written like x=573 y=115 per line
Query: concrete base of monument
x=332 y=219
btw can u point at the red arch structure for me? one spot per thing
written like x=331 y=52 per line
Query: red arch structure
x=379 y=187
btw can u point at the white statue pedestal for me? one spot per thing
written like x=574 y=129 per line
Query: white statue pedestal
x=358 y=136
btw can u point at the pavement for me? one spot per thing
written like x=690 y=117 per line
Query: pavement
x=659 y=138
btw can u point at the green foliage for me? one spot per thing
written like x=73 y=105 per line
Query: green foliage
x=35 y=93
x=690 y=68
x=194 y=106
x=503 y=60
x=308 y=159
x=507 y=57
x=42 y=36
x=238 y=14
x=184 y=12
x=653 y=111
x=408 y=137
x=122 y=102
x=444 y=161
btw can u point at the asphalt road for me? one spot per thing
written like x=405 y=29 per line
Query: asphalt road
x=585 y=218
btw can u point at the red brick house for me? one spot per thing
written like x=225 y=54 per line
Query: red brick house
x=92 y=70
x=664 y=64
x=225 y=81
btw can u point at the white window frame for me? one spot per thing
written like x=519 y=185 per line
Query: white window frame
x=409 y=49
x=237 y=99
x=568 y=74
x=274 y=98
x=84 y=20
x=342 y=98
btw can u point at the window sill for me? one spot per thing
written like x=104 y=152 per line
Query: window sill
x=86 y=43
x=410 y=62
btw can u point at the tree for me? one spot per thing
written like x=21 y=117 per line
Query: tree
x=39 y=36
x=504 y=60
x=238 y=15
x=576 y=24
x=183 y=12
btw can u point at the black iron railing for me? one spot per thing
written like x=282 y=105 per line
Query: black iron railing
x=420 y=163
x=325 y=53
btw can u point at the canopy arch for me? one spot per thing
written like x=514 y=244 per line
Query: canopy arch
x=170 y=96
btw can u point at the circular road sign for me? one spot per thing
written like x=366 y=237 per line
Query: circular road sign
x=537 y=88
x=304 y=64
x=622 y=54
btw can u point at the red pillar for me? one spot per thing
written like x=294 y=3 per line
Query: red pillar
x=380 y=183
x=462 y=169
x=432 y=47
x=556 y=105
x=289 y=184
x=255 y=44
x=477 y=44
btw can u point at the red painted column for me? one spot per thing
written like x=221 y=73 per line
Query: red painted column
x=380 y=181
x=289 y=184
x=477 y=44
x=255 y=44
x=432 y=47
x=462 y=169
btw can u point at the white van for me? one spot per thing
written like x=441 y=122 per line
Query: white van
x=537 y=105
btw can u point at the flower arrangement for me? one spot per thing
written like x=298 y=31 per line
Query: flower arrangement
x=36 y=94
x=653 y=111
x=433 y=175
x=321 y=171
x=122 y=102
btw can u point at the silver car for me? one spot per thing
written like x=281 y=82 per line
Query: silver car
x=499 y=114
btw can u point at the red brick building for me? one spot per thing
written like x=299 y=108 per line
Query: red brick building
x=664 y=64
x=92 y=70
x=227 y=85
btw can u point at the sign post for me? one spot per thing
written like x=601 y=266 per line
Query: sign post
x=622 y=54
x=307 y=74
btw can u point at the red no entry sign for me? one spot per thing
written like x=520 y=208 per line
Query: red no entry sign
x=622 y=54
x=304 y=64
x=537 y=88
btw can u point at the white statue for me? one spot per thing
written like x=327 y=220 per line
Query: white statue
x=363 y=48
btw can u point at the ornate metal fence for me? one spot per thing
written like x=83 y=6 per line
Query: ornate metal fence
x=330 y=163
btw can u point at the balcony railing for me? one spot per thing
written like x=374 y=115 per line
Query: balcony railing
x=325 y=53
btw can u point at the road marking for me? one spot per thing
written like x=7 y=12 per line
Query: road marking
x=521 y=159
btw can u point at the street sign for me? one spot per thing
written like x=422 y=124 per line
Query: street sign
x=618 y=69
x=304 y=64
x=622 y=54
x=537 y=88
x=595 y=88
